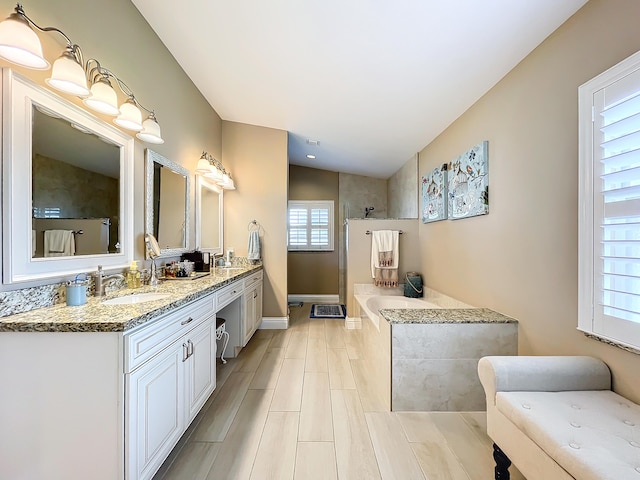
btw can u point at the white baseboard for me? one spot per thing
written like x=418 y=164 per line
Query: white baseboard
x=313 y=298
x=274 y=323
x=353 y=323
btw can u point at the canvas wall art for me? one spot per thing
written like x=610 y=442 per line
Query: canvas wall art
x=468 y=184
x=434 y=196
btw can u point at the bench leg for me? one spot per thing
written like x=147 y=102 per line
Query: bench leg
x=502 y=463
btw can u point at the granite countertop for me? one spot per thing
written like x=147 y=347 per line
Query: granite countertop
x=94 y=316
x=444 y=315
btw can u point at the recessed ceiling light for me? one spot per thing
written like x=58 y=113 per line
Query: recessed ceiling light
x=311 y=156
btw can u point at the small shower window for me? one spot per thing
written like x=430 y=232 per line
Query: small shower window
x=310 y=225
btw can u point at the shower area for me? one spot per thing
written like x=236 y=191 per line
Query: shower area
x=365 y=202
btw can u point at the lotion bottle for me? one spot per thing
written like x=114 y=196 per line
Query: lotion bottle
x=133 y=276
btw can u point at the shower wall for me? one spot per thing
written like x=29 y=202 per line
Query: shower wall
x=403 y=189
x=358 y=192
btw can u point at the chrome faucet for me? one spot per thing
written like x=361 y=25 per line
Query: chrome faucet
x=100 y=281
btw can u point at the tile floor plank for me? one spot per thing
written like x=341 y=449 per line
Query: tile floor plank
x=316 y=424
x=251 y=355
x=340 y=374
x=316 y=461
x=355 y=457
x=335 y=332
x=316 y=356
x=217 y=420
x=297 y=346
x=287 y=396
x=395 y=456
x=237 y=453
x=276 y=454
x=194 y=462
x=266 y=375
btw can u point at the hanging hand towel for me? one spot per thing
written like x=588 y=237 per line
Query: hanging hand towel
x=253 y=252
x=59 y=243
x=385 y=255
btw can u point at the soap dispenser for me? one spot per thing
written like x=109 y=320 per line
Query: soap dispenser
x=133 y=276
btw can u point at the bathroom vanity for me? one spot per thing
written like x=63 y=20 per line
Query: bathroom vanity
x=105 y=391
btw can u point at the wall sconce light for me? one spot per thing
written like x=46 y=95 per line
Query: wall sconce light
x=20 y=44
x=211 y=168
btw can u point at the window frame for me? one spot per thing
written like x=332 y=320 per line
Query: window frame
x=589 y=322
x=309 y=205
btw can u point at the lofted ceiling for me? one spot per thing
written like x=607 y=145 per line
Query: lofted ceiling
x=372 y=81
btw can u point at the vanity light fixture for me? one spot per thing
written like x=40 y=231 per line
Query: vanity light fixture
x=19 y=44
x=211 y=168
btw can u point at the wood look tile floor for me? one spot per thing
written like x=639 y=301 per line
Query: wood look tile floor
x=290 y=407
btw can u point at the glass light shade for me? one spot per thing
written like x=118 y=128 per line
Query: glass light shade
x=130 y=116
x=203 y=167
x=19 y=44
x=214 y=173
x=103 y=99
x=67 y=75
x=229 y=185
x=150 y=131
x=224 y=178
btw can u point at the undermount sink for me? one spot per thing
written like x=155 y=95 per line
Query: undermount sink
x=136 y=298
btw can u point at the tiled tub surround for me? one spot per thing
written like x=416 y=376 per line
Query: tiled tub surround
x=430 y=355
x=94 y=316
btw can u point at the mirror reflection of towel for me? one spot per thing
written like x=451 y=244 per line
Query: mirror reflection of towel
x=59 y=243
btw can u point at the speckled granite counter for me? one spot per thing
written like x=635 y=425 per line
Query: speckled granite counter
x=460 y=315
x=94 y=316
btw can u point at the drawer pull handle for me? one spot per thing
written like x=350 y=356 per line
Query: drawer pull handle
x=185 y=352
x=189 y=320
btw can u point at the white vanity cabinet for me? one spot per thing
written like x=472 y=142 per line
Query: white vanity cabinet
x=170 y=371
x=252 y=302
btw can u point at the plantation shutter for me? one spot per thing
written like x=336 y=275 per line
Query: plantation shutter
x=616 y=221
x=310 y=225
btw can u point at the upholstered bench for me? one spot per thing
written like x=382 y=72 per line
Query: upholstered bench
x=556 y=418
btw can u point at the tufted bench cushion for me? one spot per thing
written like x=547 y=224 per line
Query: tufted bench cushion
x=593 y=435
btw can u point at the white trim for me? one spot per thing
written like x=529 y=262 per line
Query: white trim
x=334 y=298
x=274 y=323
x=353 y=323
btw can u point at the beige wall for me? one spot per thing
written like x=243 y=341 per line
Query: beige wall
x=257 y=156
x=314 y=273
x=403 y=189
x=521 y=259
x=118 y=36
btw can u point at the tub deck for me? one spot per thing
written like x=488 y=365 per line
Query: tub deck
x=430 y=355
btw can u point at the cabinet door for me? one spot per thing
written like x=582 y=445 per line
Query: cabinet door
x=200 y=368
x=258 y=301
x=248 y=316
x=155 y=411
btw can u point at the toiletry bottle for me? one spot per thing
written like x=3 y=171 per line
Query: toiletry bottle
x=133 y=276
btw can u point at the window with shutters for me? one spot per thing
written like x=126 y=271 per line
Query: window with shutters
x=609 y=216
x=310 y=225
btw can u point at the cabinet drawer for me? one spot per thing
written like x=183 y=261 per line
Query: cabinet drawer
x=252 y=280
x=142 y=344
x=227 y=294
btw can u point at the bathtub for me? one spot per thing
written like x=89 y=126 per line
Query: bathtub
x=370 y=305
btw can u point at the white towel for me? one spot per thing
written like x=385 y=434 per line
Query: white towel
x=59 y=243
x=253 y=252
x=384 y=241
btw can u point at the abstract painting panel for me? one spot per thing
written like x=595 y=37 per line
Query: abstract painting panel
x=469 y=183
x=434 y=196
